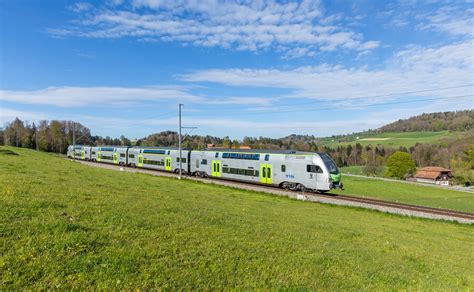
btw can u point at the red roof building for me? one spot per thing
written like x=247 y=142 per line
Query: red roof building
x=434 y=174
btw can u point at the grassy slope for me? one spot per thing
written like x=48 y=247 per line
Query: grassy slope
x=67 y=225
x=408 y=193
x=355 y=169
x=396 y=139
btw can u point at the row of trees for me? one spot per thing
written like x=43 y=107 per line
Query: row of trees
x=55 y=136
x=52 y=136
x=453 y=121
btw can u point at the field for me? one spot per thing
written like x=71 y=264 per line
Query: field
x=69 y=226
x=394 y=140
x=408 y=193
x=358 y=170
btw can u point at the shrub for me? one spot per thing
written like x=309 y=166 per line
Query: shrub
x=400 y=164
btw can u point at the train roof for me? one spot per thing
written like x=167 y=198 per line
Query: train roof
x=158 y=147
x=269 y=151
x=111 y=146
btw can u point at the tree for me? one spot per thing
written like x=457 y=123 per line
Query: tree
x=235 y=144
x=226 y=143
x=400 y=164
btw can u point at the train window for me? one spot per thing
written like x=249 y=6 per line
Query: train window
x=204 y=162
x=154 y=151
x=269 y=172
x=183 y=160
x=217 y=154
x=283 y=168
x=239 y=171
x=241 y=156
x=314 y=168
x=267 y=157
x=93 y=152
x=131 y=155
x=168 y=152
x=122 y=154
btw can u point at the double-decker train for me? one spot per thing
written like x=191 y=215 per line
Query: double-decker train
x=288 y=169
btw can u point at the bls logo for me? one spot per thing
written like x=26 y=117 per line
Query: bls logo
x=290 y=176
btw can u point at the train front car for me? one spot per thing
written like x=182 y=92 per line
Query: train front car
x=335 y=177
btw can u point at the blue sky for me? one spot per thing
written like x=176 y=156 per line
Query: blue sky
x=245 y=68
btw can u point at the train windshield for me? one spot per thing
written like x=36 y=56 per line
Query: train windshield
x=330 y=164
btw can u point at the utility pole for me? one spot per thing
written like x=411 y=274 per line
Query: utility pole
x=179 y=142
x=73 y=141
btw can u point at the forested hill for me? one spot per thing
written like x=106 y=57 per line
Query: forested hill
x=452 y=121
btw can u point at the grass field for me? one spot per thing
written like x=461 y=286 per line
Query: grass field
x=65 y=225
x=359 y=170
x=408 y=193
x=394 y=140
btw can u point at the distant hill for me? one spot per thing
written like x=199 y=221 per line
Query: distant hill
x=433 y=122
x=425 y=128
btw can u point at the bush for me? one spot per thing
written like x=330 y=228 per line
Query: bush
x=400 y=164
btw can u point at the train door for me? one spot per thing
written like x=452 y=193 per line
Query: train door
x=140 y=160
x=168 y=163
x=316 y=176
x=83 y=155
x=99 y=157
x=266 y=173
x=115 y=158
x=216 y=168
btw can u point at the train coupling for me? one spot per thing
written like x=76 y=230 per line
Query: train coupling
x=339 y=185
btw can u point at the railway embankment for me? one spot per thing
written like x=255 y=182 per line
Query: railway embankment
x=335 y=199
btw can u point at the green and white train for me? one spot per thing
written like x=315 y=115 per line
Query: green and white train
x=288 y=169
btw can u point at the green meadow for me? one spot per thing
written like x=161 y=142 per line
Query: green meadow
x=65 y=225
x=408 y=193
x=392 y=139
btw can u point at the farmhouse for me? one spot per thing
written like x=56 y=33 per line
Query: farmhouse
x=434 y=175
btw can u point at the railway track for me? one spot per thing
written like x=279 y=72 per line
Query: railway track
x=364 y=202
x=424 y=209
x=378 y=202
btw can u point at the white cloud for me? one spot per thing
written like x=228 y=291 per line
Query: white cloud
x=451 y=20
x=412 y=69
x=84 y=96
x=296 y=29
x=7 y=115
x=248 y=100
x=81 y=7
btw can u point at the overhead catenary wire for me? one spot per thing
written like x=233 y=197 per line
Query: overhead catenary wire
x=144 y=120
x=342 y=107
x=208 y=108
